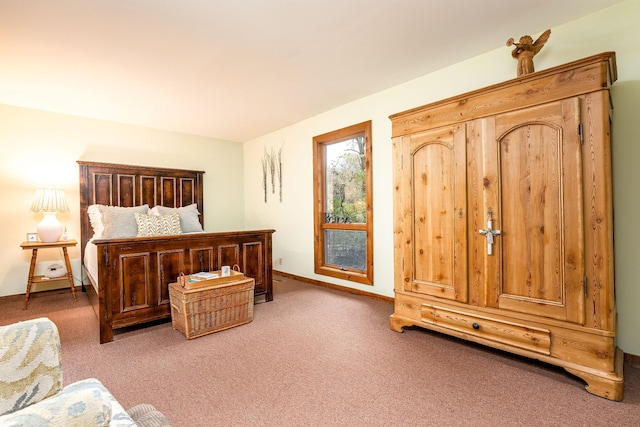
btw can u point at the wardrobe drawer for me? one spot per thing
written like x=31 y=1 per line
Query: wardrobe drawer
x=504 y=332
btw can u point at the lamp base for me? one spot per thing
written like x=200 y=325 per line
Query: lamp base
x=50 y=229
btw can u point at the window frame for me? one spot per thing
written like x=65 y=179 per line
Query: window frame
x=320 y=143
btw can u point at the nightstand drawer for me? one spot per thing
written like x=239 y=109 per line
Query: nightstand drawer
x=509 y=333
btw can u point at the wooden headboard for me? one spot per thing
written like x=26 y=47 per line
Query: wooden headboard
x=127 y=185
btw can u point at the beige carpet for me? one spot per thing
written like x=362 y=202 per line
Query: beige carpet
x=320 y=357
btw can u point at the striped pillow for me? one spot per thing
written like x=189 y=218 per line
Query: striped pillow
x=158 y=225
x=188 y=216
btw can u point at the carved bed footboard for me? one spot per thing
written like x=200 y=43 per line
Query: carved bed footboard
x=134 y=274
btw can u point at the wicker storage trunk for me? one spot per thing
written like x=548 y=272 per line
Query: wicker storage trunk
x=201 y=311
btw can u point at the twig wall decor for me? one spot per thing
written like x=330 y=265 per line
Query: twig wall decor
x=272 y=169
x=265 y=161
x=280 y=170
x=272 y=165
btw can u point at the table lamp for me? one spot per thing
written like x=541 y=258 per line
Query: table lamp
x=49 y=201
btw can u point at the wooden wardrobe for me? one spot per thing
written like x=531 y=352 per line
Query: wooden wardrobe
x=503 y=224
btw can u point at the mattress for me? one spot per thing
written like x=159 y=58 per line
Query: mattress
x=91 y=262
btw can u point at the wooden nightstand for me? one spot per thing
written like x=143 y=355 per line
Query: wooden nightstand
x=34 y=246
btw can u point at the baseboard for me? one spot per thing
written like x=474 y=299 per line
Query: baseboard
x=335 y=287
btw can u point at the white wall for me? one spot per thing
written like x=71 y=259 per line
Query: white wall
x=613 y=29
x=40 y=149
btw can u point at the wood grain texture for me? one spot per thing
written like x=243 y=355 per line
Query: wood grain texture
x=134 y=274
x=130 y=185
x=540 y=206
x=437 y=253
x=517 y=334
x=576 y=78
x=533 y=155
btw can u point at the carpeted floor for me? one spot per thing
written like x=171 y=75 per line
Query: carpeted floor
x=320 y=357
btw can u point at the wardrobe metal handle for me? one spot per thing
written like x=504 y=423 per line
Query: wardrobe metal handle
x=490 y=233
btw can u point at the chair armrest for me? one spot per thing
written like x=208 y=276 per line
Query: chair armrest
x=30 y=368
x=146 y=415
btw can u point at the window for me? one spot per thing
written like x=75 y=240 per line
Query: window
x=343 y=213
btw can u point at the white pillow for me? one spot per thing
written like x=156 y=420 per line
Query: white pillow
x=120 y=222
x=189 y=221
x=95 y=218
x=158 y=225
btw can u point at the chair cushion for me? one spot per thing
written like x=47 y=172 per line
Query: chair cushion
x=84 y=403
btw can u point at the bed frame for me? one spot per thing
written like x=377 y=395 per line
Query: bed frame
x=134 y=274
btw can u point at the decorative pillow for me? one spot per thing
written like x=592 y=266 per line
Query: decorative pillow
x=189 y=221
x=158 y=225
x=120 y=222
x=95 y=218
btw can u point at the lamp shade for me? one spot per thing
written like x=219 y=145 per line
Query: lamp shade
x=49 y=201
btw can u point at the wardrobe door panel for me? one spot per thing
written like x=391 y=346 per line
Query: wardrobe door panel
x=539 y=206
x=438 y=252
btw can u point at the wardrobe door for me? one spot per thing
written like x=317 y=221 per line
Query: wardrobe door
x=434 y=213
x=537 y=265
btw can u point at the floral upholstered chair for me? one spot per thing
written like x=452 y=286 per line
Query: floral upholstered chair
x=31 y=392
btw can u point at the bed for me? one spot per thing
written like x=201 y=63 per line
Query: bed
x=129 y=276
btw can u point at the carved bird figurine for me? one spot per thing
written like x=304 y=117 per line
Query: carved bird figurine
x=526 y=49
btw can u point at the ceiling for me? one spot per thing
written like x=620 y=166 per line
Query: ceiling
x=238 y=69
